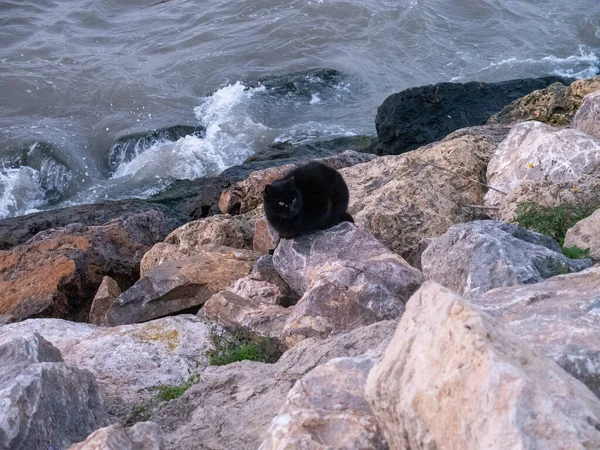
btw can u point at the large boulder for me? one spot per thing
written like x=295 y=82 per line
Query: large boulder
x=247 y=194
x=178 y=284
x=327 y=409
x=345 y=278
x=420 y=115
x=44 y=403
x=187 y=240
x=555 y=105
x=540 y=164
x=57 y=272
x=406 y=198
x=474 y=257
x=141 y=436
x=232 y=406
x=585 y=234
x=587 y=118
x=129 y=362
x=559 y=317
x=455 y=378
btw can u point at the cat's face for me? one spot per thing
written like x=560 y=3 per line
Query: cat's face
x=283 y=198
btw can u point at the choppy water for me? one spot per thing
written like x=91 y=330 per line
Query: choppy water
x=76 y=75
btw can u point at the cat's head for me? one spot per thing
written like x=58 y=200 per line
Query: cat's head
x=283 y=198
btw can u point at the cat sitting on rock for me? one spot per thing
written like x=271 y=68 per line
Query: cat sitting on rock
x=309 y=198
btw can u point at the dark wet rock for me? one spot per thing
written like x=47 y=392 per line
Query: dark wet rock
x=46 y=404
x=475 y=257
x=125 y=148
x=317 y=149
x=17 y=230
x=421 y=115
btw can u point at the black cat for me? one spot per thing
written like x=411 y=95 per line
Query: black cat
x=311 y=197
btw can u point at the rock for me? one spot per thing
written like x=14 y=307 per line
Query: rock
x=188 y=239
x=327 y=409
x=44 y=403
x=540 y=160
x=233 y=405
x=4 y=320
x=472 y=258
x=141 y=436
x=421 y=115
x=587 y=118
x=180 y=284
x=414 y=258
x=559 y=317
x=265 y=236
x=455 y=378
x=247 y=195
x=17 y=230
x=346 y=279
x=106 y=295
x=555 y=105
x=314 y=149
x=586 y=234
x=404 y=199
x=57 y=272
x=126 y=148
x=129 y=362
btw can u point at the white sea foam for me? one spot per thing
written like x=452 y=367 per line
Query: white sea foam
x=20 y=191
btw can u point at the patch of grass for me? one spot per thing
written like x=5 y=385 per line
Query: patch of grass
x=576 y=252
x=552 y=220
x=171 y=392
x=139 y=413
x=229 y=349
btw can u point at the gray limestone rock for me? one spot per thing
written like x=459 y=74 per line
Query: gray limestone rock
x=472 y=258
x=44 y=403
x=141 y=436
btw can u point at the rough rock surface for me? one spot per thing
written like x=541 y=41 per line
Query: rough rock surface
x=57 y=272
x=346 y=279
x=587 y=118
x=187 y=240
x=247 y=195
x=106 y=295
x=265 y=236
x=17 y=230
x=179 y=284
x=327 y=409
x=455 y=378
x=586 y=234
x=559 y=317
x=44 y=403
x=474 y=257
x=555 y=105
x=421 y=115
x=141 y=436
x=129 y=361
x=406 y=198
x=232 y=406
x=537 y=155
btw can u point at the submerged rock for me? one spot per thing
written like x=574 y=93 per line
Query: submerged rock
x=540 y=164
x=57 y=272
x=559 y=317
x=345 y=278
x=232 y=406
x=555 y=105
x=421 y=115
x=474 y=257
x=406 y=198
x=129 y=362
x=455 y=378
x=180 y=284
x=327 y=408
x=141 y=436
x=44 y=403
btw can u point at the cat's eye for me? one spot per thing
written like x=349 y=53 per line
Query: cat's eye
x=281 y=204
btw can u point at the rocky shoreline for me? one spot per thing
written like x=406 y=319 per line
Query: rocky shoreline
x=436 y=321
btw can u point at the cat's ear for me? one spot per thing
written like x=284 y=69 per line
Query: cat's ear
x=268 y=190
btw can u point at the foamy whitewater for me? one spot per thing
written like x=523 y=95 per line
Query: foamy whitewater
x=77 y=76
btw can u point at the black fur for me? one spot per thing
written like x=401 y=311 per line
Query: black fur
x=311 y=197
